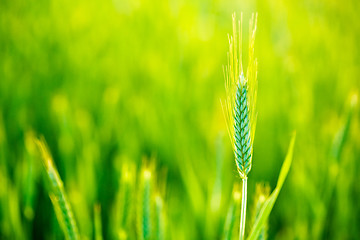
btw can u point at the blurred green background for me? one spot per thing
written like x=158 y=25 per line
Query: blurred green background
x=108 y=82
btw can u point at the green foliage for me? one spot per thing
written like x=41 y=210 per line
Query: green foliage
x=97 y=222
x=269 y=203
x=262 y=193
x=232 y=216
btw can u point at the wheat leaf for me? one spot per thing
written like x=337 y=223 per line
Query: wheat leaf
x=269 y=203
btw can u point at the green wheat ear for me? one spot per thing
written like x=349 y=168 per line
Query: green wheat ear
x=57 y=194
x=144 y=208
x=241 y=90
x=125 y=199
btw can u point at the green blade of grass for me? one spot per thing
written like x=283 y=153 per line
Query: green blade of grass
x=232 y=217
x=269 y=203
x=262 y=193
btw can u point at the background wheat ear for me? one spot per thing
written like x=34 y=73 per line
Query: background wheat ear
x=123 y=210
x=57 y=193
x=144 y=202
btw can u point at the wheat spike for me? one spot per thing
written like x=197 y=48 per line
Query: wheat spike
x=144 y=215
x=57 y=195
x=241 y=90
x=125 y=199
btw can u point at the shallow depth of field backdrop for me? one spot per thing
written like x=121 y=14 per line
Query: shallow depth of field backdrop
x=108 y=82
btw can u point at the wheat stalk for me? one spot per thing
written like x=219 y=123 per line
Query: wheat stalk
x=57 y=195
x=239 y=107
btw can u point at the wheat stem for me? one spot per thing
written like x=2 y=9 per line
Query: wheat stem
x=243 y=209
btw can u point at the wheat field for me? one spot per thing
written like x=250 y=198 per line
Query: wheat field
x=112 y=121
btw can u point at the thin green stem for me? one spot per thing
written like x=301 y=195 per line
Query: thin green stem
x=243 y=208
